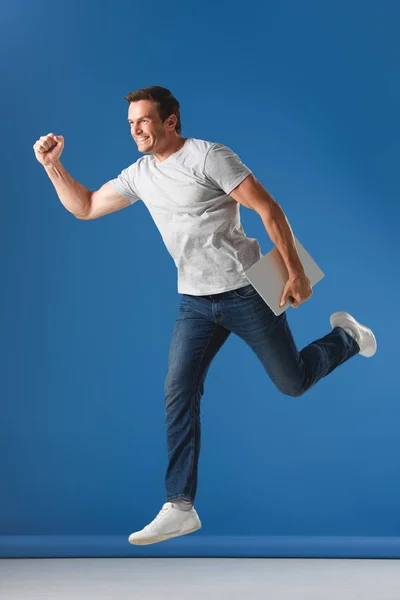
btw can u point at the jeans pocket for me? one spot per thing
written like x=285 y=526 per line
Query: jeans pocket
x=248 y=291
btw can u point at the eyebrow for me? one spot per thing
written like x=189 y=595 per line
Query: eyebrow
x=144 y=117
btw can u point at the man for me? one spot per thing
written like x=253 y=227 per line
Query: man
x=193 y=189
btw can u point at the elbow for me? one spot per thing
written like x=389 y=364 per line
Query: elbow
x=85 y=216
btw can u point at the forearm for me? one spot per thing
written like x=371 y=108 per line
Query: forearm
x=74 y=196
x=280 y=232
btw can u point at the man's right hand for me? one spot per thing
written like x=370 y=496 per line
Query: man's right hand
x=77 y=199
x=48 y=149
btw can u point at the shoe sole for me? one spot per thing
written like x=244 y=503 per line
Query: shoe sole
x=370 y=351
x=162 y=538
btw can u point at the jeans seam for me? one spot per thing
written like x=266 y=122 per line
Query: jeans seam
x=193 y=416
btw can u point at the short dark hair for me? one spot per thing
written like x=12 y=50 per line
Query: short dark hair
x=166 y=104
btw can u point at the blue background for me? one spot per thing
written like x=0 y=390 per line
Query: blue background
x=307 y=94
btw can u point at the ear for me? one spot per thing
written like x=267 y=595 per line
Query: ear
x=172 y=121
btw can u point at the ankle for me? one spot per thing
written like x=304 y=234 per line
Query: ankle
x=182 y=504
x=351 y=333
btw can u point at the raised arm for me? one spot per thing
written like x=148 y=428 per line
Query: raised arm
x=77 y=199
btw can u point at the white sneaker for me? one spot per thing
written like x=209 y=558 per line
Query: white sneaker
x=363 y=336
x=169 y=523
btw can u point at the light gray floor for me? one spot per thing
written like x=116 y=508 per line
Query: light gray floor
x=199 y=578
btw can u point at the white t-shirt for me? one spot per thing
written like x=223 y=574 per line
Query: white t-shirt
x=188 y=198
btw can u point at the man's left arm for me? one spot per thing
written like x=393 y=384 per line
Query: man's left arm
x=251 y=194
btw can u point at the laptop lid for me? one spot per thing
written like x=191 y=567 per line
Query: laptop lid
x=269 y=276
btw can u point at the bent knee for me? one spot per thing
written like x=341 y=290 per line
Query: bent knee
x=293 y=390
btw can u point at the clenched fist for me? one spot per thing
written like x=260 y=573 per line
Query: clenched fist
x=48 y=148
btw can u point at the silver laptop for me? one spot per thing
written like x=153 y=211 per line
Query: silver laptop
x=269 y=276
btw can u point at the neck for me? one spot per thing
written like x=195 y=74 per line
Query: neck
x=172 y=147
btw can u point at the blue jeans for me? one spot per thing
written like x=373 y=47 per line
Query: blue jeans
x=203 y=325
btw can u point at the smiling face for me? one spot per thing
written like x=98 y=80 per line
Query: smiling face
x=149 y=132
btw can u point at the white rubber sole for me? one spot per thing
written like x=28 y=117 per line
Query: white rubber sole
x=161 y=538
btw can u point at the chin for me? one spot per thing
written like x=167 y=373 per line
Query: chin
x=145 y=149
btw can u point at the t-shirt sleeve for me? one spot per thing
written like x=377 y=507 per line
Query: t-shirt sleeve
x=124 y=184
x=224 y=168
